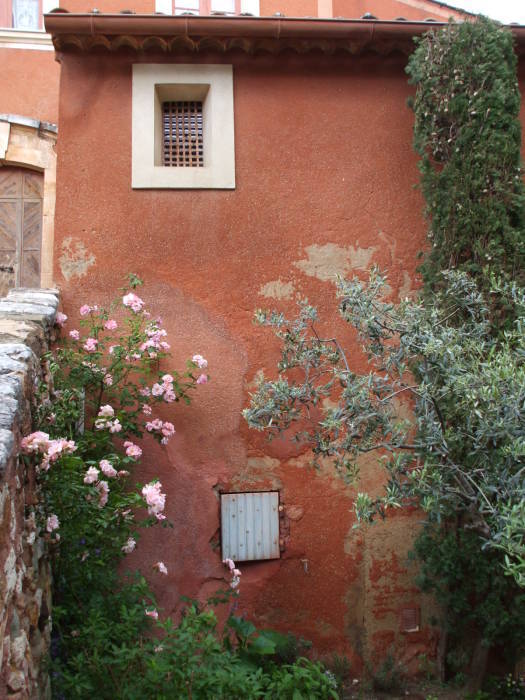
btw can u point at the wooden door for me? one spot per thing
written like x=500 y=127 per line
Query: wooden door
x=21 y=194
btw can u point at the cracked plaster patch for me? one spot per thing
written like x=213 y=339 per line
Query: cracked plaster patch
x=277 y=289
x=326 y=262
x=75 y=260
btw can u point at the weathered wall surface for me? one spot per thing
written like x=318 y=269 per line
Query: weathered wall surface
x=25 y=595
x=29 y=83
x=325 y=174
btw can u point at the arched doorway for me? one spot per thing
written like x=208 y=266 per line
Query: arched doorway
x=21 y=194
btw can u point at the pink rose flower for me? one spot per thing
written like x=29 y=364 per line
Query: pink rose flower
x=108 y=379
x=133 y=302
x=60 y=318
x=155 y=500
x=169 y=396
x=157 y=389
x=167 y=379
x=146 y=410
x=59 y=446
x=168 y=429
x=74 y=334
x=203 y=378
x=152 y=613
x=90 y=345
x=115 y=426
x=129 y=546
x=200 y=361
x=154 y=425
x=36 y=442
x=161 y=567
x=132 y=450
x=107 y=469
x=84 y=310
x=110 y=325
x=52 y=523
x=91 y=475
x=106 y=411
x=103 y=491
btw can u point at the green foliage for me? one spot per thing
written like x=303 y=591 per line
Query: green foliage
x=500 y=688
x=507 y=687
x=468 y=134
x=388 y=676
x=479 y=602
x=467 y=389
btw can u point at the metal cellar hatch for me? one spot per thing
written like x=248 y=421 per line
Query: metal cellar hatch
x=250 y=526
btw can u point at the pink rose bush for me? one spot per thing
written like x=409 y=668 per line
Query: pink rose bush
x=111 y=391
x=109 y=381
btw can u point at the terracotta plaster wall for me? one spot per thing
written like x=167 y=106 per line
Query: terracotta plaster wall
x=392 y=9
x=353 y=9
x=325 y=175
x=138 y=6
x=290 y=8
x=29 y=83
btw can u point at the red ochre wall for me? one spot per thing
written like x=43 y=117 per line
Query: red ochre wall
x=29 y=83
x=354 y=9
x=392 y=9
x=325 y=174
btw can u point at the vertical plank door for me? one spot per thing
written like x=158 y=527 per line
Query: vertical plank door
x=21 y=194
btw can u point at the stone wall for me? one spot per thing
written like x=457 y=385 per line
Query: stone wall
x=26 y=320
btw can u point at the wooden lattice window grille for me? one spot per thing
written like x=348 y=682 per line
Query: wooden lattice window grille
x=182 y=134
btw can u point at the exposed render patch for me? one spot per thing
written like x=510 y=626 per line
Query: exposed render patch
x=277 y=289
x=326 y=262
x=406 y=291
x=75 y=260
x=258 y=471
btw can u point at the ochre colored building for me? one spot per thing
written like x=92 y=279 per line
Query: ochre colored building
x=29 y=84
x=302 y=168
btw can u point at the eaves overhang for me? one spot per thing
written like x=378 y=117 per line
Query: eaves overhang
x=111 y=32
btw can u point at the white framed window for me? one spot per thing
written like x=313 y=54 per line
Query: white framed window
x=27 y=14
x=207 y=7
x=182 y=126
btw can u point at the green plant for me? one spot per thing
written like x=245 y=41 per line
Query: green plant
x=427 y=668
x=506 y=687
x=468 y=134
x=388 y=676
x=301 y=681
x=340 y=666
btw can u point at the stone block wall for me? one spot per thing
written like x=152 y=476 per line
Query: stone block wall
x=26 y=322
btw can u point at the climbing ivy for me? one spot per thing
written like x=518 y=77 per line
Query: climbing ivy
x=468 y=134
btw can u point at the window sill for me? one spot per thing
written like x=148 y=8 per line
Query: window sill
x=22 y=39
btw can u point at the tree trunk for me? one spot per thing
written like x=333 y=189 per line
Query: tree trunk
x=442 y=655
x=478 y=666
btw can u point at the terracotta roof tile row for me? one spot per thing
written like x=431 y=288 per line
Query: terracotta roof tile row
x=187 y=33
